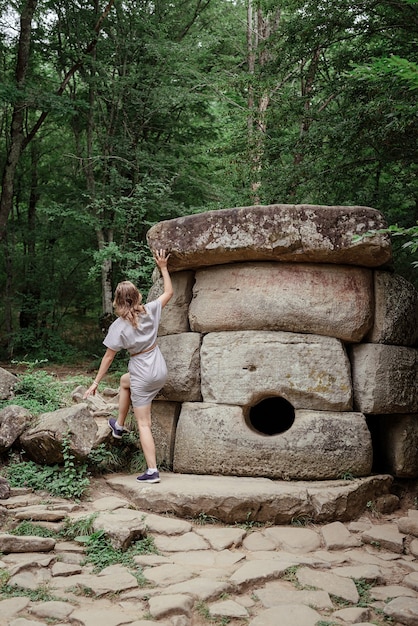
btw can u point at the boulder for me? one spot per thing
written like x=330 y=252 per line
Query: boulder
x=43 y=442
x=277 y=232
x=396 y=311
x=8 y=382
x=309 y=371
x=182 y=355
x=323 y=299
x=14 y=420
x=385 y=379
x=319 y=445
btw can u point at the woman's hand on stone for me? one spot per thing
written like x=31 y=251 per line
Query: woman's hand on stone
x=160 y=257
x=91 y=391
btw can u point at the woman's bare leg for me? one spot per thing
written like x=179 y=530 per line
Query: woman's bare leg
x=124 y=398
x=143 y=419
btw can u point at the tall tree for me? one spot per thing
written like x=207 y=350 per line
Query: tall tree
x=19 y=139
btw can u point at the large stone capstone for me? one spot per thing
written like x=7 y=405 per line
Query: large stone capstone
x=289 y=337
x=278 y=232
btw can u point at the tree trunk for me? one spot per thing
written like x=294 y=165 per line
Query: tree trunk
x=17 y=131
x=259 y=29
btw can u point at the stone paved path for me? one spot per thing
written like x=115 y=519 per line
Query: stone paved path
x=359 y=572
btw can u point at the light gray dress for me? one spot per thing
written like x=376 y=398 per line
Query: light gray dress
x=148 y=371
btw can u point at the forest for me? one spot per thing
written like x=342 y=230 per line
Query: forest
x=117 y=114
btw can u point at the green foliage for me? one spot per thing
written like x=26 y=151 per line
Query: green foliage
x=27 y=528
x=38 y=391
x=157 y=125
x=204 y=519
x=68 y=481
x=122 y=456
x=82 y=527
x=100 y=553
x=363 y=588
x=41 y=594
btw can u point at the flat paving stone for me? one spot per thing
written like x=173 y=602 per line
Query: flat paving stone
x=287 y=615
x=405 y=610
x=331 y=583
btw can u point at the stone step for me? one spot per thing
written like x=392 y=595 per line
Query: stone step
x=231 y=499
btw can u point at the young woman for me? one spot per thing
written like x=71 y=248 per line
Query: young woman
x=136 y=330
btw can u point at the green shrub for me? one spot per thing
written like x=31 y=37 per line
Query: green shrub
x=100 y=553
x=39 y=392
x=68 y=481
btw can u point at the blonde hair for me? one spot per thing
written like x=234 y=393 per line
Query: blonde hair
x=127 y=302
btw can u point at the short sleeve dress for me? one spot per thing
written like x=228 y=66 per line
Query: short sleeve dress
x=148 y=369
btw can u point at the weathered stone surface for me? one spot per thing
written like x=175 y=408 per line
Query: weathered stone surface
x=259 y=571
x=385 y=379
x=222 y=538
x=4 y=489
x=182 y=355
x=327 y=300
x=13 y=543
x=200 y=588
x=290 y=615
x=8 y=382
x=14 y=420
x=164 y=422
x=386 y=536
x=294 y=540
x=227 y=608
x=242 y=368
x=278 y=592
x=408 y=525
x=41 y=513
x=232 y=499
x=396 y=438
x=43 y=442
x=279 y=232
x=319 y=445
x=53 y=610
x=110 y=580
x=10 y=607
x=396 y=311
x=187 y=541
x=167 y=605
x=331 y=583
x=403 y=610
x=337 y=537
x=175 y=315
x=122 y=527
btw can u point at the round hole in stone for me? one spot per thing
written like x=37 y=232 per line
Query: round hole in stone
x=272 y=416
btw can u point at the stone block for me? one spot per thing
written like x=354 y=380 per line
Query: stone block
x=329 y=300
x=396 y=311
x=164 y=422
x=309 y=371
x=182 y=355
x=276 y=232
x=214 y=439
x=174 y=316
x=385 y=379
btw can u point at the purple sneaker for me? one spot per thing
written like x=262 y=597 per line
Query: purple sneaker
x=117 y=432
x=149 y=478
